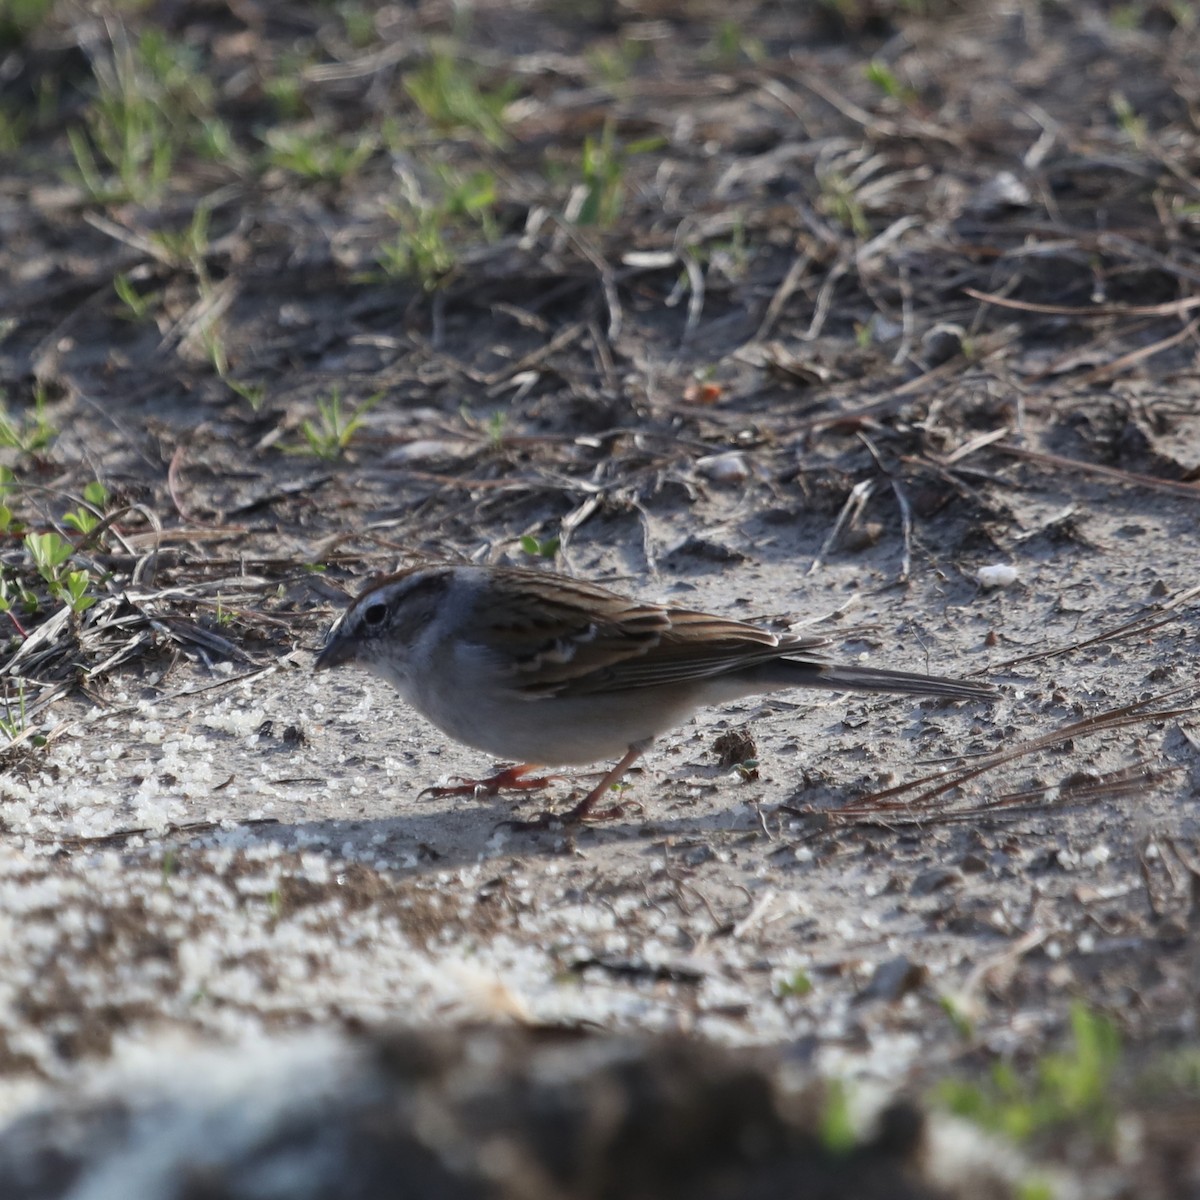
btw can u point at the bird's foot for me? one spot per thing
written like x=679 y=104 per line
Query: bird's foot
x=514 y=778
x=584 y=811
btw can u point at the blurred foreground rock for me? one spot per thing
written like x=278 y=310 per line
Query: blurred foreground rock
x=455 y=1115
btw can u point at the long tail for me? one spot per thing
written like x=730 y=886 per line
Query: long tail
x=799 y=672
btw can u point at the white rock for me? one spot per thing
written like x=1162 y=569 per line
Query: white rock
x=999 y=576
x=730 y=467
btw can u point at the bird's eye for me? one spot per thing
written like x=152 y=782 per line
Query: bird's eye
x=374 y=614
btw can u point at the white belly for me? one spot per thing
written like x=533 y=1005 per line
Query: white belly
x=554 y=731
x=557 y=731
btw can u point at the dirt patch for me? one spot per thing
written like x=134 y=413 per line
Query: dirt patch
x=786 y=314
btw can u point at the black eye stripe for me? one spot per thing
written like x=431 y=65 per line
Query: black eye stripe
x=399 y=604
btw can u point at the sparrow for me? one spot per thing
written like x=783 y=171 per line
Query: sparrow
x=542 y=669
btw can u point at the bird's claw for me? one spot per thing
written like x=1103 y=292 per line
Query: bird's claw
x=581 y=814
x=508 y=778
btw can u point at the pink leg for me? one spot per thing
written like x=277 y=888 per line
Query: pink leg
x=513 y=777
x=586 y=810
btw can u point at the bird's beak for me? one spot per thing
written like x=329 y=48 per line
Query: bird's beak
x=336 y=652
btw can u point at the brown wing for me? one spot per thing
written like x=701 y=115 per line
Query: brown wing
x=697 y=646
x=568 y=637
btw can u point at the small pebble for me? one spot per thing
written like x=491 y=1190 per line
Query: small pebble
x=998 y=576
x=730 y=467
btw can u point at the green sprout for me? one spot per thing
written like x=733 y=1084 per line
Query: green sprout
x=91 y=512
x=546 y=548
x=1072 y=1086
x=138 y=306
x=422 y=246
x=329 y=435
x=838 y=1134
x=30 y=434
x=447 y=91
x=798 y=983
x=317 y=154
x=50 y=553
x=253 y=393
x=15 y=719
x=884 y=78
x=13 y=592
x=602 y=165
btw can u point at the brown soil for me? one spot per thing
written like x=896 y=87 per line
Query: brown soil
x=848 y=338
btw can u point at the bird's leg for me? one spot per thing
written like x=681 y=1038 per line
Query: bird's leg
x=513 y=778
x=586 y=809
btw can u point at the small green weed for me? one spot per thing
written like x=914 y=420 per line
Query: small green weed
x=15 y=594
x=602 y=167
x=798 y=983
x=1126 y=17
x=422 y=246
x=49 y=556
x=732 y=45
x=1035 y=1188
x=540 y=548
x=212 y=339
x=1073 y=1086
x=839 y=201
x=14 y=720
x=32 y=433
x=74 y=590
x=1184 y=14
x=137 y=306
x=419 y=250
x=614 y=64
x=1133 y=126
x=471 y=197
x=448 y=92
x=213 y=139
x=153 y=101
x=838 y=1134
x=50 y=553
x=960 y=1018
x=14 y=125
x=126 y=148
x=175 y=69
x=85 y=519
x=253 y=393
x=285 y=88
x=884 y=78
x=317 y=154
x=359 y=22
x=187 y=248
x=496 y=424
x=20 y=18
x=328 y=436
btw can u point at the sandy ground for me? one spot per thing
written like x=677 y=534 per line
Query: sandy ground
x=217 y=846
x=325 y=886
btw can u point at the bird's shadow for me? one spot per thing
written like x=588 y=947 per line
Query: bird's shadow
x=468 y=832
x=440 y=833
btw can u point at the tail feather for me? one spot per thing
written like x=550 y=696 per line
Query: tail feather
x=798 y=672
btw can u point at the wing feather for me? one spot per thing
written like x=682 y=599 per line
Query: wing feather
x=568 y=637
